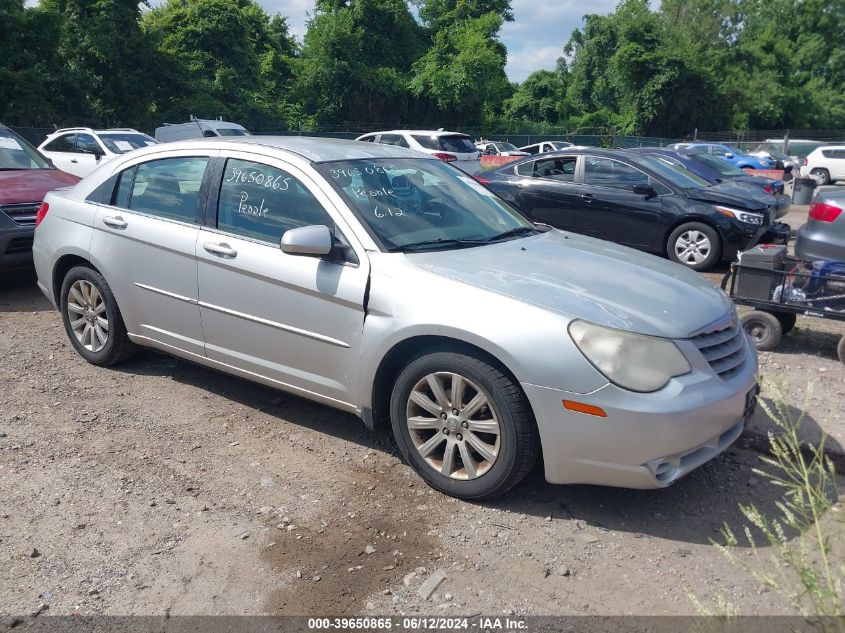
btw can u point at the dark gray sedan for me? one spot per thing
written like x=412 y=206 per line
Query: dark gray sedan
x=823 y=237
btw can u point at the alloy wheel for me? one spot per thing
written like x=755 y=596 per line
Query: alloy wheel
x=86 y=311
x=692 y=247
x=453 y=425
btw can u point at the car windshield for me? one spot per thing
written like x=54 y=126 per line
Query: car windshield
x=232 y=131
x=677 y=176
x=506 y=147
x=120 y=143
x=458 y=143
x=16 y=153
x=417 y=204
x=719 y=164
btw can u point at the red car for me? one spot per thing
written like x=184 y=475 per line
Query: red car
x=25 y=176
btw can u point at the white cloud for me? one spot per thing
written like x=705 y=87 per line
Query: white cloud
x=536 y=37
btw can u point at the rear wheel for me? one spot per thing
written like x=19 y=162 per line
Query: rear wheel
x=463 y=424
x=92 y=319
x=840 y=349
x=787 y=321
x=821 y=176
x=694 y=245
x=763 y=328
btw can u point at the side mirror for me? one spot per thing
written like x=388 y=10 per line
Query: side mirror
x=645 y=190
x=315 y=240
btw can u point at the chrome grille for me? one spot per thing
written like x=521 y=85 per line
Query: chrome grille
x=23 y=214
x=723 y=348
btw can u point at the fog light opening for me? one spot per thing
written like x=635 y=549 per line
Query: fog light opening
x=663 y=471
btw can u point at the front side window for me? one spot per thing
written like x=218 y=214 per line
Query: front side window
x=232 y=131
x=413 y=204
x=167 y=188
x=393 y=139
x=87 y=143
x=16 y=153
x=681 y=178
x=262 y=202
x=606 y=172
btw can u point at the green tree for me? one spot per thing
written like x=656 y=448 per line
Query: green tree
x=540 y=98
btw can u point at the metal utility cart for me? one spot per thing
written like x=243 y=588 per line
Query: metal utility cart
x=779 y=288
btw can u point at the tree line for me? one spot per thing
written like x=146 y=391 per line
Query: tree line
x=707 y=64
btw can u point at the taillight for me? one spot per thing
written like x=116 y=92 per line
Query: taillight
x=447 y=157
x=484 y=181
x=824 y=212
x=768 y=189
x=42 y=211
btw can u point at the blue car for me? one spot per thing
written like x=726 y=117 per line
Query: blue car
x=728 y=152
x=716 y=170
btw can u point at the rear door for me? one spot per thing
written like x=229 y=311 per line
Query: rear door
x=144 y=241
x=616 y=213
x=294 y=321
x=549 y=193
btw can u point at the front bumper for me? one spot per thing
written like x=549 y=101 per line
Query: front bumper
x=647 y=440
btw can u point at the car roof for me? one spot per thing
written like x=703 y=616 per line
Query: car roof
x=419 y=132
x=315 y=149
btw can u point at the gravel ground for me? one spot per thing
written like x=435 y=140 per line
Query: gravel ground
x=160 y=487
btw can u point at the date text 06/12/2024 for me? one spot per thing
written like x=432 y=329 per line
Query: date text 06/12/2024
x=478 y=623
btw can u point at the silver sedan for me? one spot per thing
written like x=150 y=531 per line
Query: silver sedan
x=386 y=283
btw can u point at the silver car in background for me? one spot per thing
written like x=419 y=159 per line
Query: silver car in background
x=823 y=236
x=384 y=282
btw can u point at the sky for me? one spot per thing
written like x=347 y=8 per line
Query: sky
x=535 y=38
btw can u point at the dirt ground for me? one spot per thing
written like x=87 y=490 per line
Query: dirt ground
x=160 y=487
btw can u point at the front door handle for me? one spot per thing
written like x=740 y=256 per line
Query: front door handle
x=73 y=160
x=116 y=222
x=221 y=250
x=587 y=197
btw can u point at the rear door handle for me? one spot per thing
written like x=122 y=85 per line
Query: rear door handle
x=587 y=197
x=221 y=250
x=116 y=222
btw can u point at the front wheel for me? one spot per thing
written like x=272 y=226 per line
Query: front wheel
x=764 y=329
x=92 y=319
x=463 y=424
x=694 y=245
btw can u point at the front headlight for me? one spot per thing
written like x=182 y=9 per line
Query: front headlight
x=632 y=361
x=742 y=216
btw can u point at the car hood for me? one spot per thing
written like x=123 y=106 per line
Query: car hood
x=30 y=185
x=733 y=194
x=590 y=279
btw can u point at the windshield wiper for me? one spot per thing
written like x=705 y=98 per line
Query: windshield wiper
x=441 y=241
x=520 y=230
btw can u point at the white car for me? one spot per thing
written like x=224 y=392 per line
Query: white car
x=499 y=148
x=80 y=150
x=825 y=164
x=547 y=146
x=452 y=147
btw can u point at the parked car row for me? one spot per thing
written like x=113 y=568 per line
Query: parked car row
x=384 y=282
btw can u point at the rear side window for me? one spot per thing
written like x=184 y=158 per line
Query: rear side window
x=168 y=188
x=833 y=153
x=262 y=202
x=459 y=144
x=556 y=168
x=62 y=144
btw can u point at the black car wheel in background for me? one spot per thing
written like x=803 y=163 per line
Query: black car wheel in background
x=635 y=199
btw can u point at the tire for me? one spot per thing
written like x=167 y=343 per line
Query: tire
x=840 y=349
x=514 y=448
x=787 y=321
x=678 y=246
x=763 y=328
x=89 y=308
x=821 y=176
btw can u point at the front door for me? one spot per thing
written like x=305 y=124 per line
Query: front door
x=616 y=212
x=294 y=320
